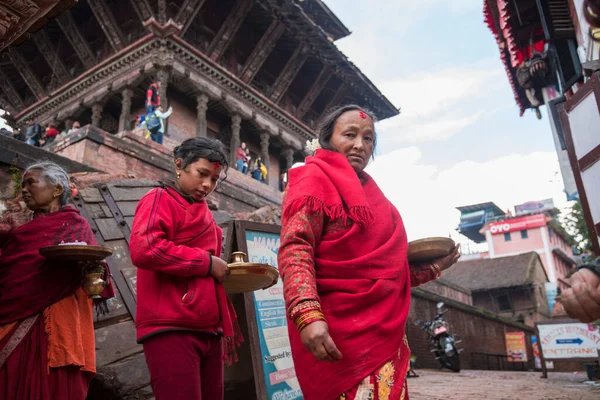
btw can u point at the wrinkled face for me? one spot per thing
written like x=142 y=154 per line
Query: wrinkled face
x=38 y=193
x=198 y=179
x=354 y=136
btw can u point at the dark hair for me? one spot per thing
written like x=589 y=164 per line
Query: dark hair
x=191 y=150
x=325 y=129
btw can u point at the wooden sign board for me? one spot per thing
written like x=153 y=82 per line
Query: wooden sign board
x=274 y=373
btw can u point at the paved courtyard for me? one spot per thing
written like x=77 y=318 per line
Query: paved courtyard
x=500 y=385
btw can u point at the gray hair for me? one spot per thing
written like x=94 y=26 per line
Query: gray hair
x=55 y=175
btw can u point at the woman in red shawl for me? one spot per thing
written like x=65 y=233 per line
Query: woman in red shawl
x=183 y=312
x=47 y=348
x=344 y=269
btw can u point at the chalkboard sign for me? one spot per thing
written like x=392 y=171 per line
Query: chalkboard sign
x=272 y=355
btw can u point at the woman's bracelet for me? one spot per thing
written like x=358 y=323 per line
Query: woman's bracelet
x=303 y=307
x=308 y=318
x=436 y=270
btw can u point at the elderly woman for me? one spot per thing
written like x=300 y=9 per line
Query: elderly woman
x=345 y=271
x=46 y=329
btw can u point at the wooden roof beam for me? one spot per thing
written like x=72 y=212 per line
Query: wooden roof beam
x=187 y=13
x=50 y=53
x=229 y=29
x=162 y=11
x=10 y=91
x=108 y=24
x=337 y=98
x=262 y=50
x=28 y=76
x=142 y=9
x=313 y=92
x=291 y=69
x=74 y=36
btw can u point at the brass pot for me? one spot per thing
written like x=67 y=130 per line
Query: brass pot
x=94 y=285
x=238 y=257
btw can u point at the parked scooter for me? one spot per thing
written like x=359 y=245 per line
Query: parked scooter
x=441 y=343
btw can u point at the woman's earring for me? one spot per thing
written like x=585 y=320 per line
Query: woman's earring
x=178 y=174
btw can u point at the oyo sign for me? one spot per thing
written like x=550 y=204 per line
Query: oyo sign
x=517 y=224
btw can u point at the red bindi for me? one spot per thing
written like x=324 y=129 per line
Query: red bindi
x=216 y=165
x=362 y=114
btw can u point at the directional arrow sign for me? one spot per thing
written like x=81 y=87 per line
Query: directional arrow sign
x=569 y=341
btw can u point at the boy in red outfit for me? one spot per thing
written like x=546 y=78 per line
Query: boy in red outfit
x=183 y=312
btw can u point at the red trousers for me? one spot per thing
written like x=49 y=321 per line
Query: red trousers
x=185 y=366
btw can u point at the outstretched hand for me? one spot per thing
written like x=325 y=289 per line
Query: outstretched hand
x=446 y=262
x=317 y=340
x=582 y=300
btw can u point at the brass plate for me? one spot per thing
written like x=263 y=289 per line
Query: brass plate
x=76 y=252
x=249 y=277
x=429 y=249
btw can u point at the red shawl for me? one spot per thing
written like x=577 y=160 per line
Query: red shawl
x=362 y=275
x=27 y=278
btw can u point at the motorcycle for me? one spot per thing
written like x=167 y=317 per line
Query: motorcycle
x=441 y=343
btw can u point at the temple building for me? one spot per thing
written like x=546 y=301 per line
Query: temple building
x=256 y=71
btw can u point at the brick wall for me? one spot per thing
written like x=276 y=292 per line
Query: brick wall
x=480 y=331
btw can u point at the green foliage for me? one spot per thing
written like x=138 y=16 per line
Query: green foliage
x=574 y=221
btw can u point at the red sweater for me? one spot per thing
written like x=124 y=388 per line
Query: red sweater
x=171 y=244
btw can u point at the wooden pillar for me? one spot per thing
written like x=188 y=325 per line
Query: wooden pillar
x=201 y=108
x=97 y=114
x=68 y=123
x=127 y=95
x=289 y=157
x=265 y=137
x=236 y=126
x=163 y=74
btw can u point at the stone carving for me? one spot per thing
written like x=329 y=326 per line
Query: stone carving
x=289 y=72
x=229 y=29
x=66 y=23
x=262 y=50
x=107 y=23
x=313 y=92
x=30 y=78
x=50 y=53
x=187 y=13
x=163 y=74
x=15 y=16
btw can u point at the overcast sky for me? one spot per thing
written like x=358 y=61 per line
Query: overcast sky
x=459 y=139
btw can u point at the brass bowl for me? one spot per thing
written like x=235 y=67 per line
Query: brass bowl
x=429 y=249
x=249 y=277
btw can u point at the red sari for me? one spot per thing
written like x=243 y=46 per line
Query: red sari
x=46 y=348
x=344 y=245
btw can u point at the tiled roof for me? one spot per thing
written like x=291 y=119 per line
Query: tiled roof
x=493 y=273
